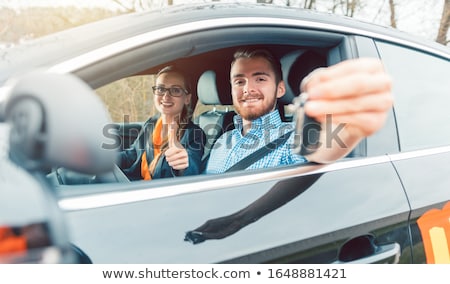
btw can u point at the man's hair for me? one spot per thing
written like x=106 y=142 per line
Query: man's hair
x=174 y=69
x=262 y=53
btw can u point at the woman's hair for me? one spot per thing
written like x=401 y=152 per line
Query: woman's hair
x=174 y=69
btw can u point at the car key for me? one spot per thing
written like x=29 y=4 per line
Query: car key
x=307 y=129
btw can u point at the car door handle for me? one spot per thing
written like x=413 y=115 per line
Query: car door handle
x=363 y=249
x=389 y=253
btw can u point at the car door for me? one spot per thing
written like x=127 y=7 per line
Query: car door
x=421 y=104
x=149 y=225
x=354 y=210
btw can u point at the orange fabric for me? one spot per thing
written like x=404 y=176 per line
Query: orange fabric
x=158 y=141
x=9 y=242
x=145 y=173
x=434 y=227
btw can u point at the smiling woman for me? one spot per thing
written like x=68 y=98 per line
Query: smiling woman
x=169 y=144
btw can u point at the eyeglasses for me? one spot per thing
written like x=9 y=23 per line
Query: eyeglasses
x=173 y=91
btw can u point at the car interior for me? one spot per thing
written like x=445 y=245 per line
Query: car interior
x=209 y=74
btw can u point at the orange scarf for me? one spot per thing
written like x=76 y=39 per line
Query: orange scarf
x=9 y=242
x=147 y=170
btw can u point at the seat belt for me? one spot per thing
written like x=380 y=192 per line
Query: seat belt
x=260 y=153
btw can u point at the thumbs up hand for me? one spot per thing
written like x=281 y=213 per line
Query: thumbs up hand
x=176 y=154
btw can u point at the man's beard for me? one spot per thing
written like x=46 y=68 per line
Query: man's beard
x=249 y=114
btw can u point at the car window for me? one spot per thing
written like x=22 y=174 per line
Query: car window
x=129 y=99
x=421 y=90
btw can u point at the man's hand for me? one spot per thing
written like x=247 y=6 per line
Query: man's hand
x=355 y=96
x=176 y=155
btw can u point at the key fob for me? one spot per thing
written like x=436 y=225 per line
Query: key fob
x=307 y=129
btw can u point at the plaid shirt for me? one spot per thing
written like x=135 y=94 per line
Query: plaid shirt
x=232 y=146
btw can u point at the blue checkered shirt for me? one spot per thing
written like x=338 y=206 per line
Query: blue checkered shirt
x=232 y=146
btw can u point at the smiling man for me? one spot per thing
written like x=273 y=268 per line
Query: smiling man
x=355 y=94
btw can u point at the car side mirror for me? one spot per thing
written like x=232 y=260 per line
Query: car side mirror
x=57 y=120
x=52 y=120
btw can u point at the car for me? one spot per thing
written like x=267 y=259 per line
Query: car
x=377 y=205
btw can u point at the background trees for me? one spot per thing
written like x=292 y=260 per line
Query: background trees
x=130 y=99
x=433 y=16
x=442 y=36
x=428 y=19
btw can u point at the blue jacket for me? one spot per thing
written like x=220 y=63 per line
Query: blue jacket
x=193 y=140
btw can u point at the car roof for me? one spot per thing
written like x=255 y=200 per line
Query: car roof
x=66 y=44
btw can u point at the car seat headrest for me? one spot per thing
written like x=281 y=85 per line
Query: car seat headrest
x=213 y=88
x=286 y=64
x=207 y=89
x=296 y=66
x=57 y=120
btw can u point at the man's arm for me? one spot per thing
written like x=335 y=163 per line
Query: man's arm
x=351 y=100
x=355 y=96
